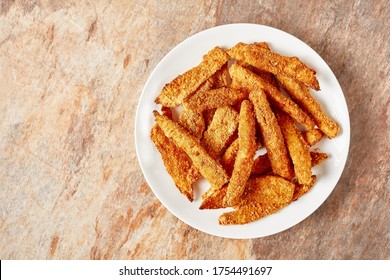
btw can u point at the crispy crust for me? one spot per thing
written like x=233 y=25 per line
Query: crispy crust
x=249 y=213
x=229 y=156
x=220 y=78
x=301 y=189
x=214 y=200
x=301 y=94
x=297 y=147
x=317 y=158
x=193 y=122
x=244 y=79
x=245 y=155
x=268 y=189
x=277 y=64
x=214 y=98
x=184 y=85
x=272 y=135
x=261 y=165
x=220 y=131
x=312 y=136
x=207 y=166
x=175 y=160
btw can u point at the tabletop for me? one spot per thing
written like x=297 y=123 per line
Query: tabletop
x=71 y=75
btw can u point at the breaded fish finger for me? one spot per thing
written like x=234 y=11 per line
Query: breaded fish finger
x=213 y=98
x=244 y=79
x=297 y=148
x=272 y=135
x=207 y=166
x=175 y=160
x=269 y=61
x=193 y=122
x=229 y=156
x=312 y=136
x=220 y=131
x=301 y=189
x=248 y=213
x=214 y=200
x=301 y=94
x=245 y=155
x=268 y=189
x=261 y=165
x=184 y=85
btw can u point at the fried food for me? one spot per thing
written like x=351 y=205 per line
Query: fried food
x=261 y=165
x=214 y=98
x=175 y=160
x=312 y=136
x=193 y=122
x=207 y=166
x=208 y=116
x=244 y=79
x=272 y=135
x=245 y=155
x=317 y=158
x=220 y=78
x=248 y=213
x=266 y=60
x=297 y=148
x=229 y=106
x=165 y=111
x=220 y=131
x=263 y=196
x=215 y=199
x=301 y=189
x=268 y=189
x=301 y=94
x=184 y=85
x=263 y=45
x=229 y=156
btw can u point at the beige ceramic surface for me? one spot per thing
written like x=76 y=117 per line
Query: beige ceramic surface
x=71 y=74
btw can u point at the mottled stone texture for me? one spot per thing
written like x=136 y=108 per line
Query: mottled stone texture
x=71 y=73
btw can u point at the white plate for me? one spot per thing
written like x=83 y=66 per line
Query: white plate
x=187 y=55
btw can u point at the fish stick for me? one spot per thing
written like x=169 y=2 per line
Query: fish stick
x=175 y=160
x=214 y=98
x=248 y=213
x=184 y=85
x=297 y=148
x=229 y=156
x=268 y=189
x=301 y=94
x=245 y=155
x=215 y=200
x=301 y=189
x=261 y=165
x=220 y=131
x=272 y=135
x=193 y=122
x=312 y=136
x=207 y=166
x=244 y=79
x=263 y=45
x=208 y=116
x=220 y=78
x=269 y=61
